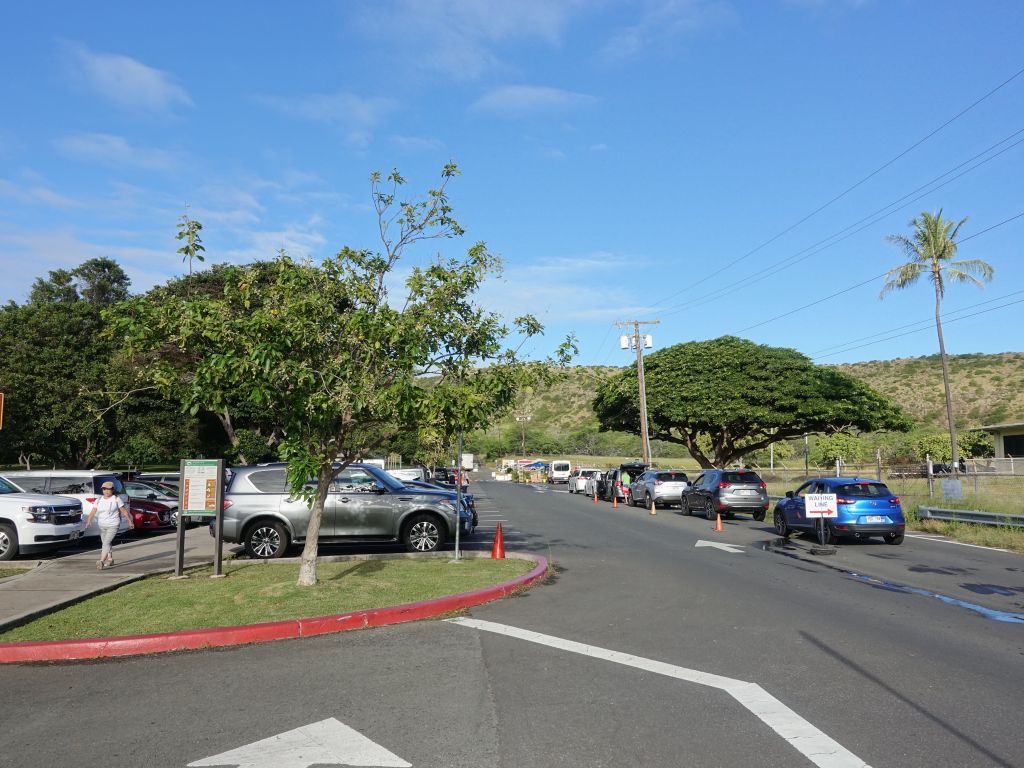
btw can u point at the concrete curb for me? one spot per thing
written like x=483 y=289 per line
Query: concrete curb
x=216 y=637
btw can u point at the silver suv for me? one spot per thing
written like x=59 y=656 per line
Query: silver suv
x=365 y=503
x=658 y=488
x=725 y=492
x=33 y=522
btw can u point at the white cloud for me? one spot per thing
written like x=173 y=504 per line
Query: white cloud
x=663 y=21
x=299 y=240
x=357 y=116
x=458 y=37
x=36 y=194
x=115 y=151
x=417 y=144
x=520 y=100
x=125 y=81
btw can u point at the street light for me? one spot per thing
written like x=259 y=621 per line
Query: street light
x=638 y=342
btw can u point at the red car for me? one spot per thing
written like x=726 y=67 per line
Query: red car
x=148 y=515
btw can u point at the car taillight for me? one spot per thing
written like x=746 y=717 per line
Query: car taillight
x=658 y=482
x=91 y=499
x=845 y=501
x=618 y=483
x=227 y=503
x=761 y=485
x=723 y=485
x=894 y=500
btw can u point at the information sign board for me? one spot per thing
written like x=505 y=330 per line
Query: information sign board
x=821 y=505
x=199 y=479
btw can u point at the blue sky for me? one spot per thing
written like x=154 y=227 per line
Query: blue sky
x=629 y=159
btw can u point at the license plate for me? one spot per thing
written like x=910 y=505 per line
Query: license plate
x=745 y=492
x=874 y=518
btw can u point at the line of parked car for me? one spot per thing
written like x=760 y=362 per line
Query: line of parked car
x=865 y=508
x=45 y=509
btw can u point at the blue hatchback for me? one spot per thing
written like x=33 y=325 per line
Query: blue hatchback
x=866 y=508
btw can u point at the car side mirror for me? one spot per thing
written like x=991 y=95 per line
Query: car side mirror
x=789 y=494
x=152 y=497
x=379 y=489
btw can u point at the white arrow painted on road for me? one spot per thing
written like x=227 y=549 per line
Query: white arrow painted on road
x=328 y=741
x=732 y=549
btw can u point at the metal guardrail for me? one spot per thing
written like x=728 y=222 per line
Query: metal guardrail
x=970 y=516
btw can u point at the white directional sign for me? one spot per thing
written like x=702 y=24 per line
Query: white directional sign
x=328 y=742
x=732 y=549
x=821 y=505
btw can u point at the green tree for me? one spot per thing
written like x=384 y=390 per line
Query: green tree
x=848 y=448
x=728 y=397
x=931 y=250
x=334 y=358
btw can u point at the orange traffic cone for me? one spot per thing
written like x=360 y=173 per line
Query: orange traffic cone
x=615 y=501
x=498 y=548
x=652 y=507
x=718 y=523
x=595 y=497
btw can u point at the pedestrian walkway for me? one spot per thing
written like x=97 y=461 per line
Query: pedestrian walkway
x=65 y=580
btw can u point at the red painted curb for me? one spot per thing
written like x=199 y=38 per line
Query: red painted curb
x=215 y=637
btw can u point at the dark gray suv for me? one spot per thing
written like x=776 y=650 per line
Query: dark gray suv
x=725 y=492
x=365 y=503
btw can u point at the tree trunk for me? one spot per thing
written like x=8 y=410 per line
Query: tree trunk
x=229 y=430
x=307 y=568
x=945 y=382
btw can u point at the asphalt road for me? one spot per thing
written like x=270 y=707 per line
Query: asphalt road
x=845 y=666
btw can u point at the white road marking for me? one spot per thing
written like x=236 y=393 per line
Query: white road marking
x=951 y=541
x=732 y=549
x=815 y=745
x=329 y=741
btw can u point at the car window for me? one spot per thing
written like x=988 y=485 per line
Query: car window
x=31 y=484
x=99 y=480
x=64 y=484
x=699 y=481
x=806 y=488
x=864 y=490
x=353 y=479
x=741 y=477
x=269 y=480
x=6 y=487
x=589 y=472
x=673 y=477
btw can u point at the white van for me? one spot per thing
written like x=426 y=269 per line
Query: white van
x=82 y=484
x=559 y=472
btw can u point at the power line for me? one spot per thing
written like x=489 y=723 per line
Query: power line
x=852 y=229
x=849 y=189
x=865 y=282
x=907 y=333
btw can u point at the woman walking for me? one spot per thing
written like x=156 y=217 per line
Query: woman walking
x=108 y=512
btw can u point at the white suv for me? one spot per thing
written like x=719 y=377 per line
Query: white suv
x=33 y=522
x=82 y=484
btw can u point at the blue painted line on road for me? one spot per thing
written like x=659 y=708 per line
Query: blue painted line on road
x=988 y=613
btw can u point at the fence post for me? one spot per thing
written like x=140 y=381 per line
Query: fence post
x=838 y=464
x=931 y=478
x=878 y=464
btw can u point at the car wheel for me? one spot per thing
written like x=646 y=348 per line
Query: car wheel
x=781 y=526
x=266 y=540
x=8 y=541
x=760 y=516
x=422 y=533
x=894 y=538
x=684 y=506
x=709 y=510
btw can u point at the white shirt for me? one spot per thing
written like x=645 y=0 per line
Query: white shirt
x=107 y=511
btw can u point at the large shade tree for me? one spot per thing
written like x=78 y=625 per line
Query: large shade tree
x=343 y=354
x=931 y=252
x=728 y=397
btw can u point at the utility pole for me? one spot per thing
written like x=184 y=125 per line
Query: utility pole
x=638 y=343
x=522 y=417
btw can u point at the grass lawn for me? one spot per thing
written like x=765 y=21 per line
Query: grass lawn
x=5 y=572
x=260 y=592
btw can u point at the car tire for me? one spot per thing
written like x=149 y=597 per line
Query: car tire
x=760 y=516
x=266 y=540
x=781 y=526
x=709 y=510
x=684 y=506
x=894 y=538
x=8 y=541
x=422 y=533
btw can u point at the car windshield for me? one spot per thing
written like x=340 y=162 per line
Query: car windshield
x=673 y=477
x=741 y=477
x=6 y=487
x=588 y=472
x=864 y=490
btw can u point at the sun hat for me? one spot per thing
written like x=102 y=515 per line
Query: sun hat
x=108 y=484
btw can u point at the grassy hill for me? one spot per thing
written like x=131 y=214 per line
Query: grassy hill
x=987 y=389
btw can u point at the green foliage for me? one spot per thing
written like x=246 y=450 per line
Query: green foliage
x=332 y=358
x=838 y=445
x=756 y=396
x=970 y=444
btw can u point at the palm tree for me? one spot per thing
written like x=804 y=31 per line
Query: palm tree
x=931 y=251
